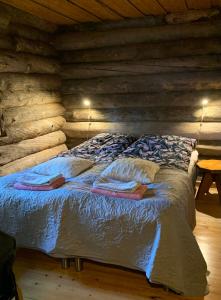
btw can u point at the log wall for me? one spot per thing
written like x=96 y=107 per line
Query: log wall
x=31 y=113
x=142 y=79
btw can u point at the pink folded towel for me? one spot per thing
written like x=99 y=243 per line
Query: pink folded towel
x=47 y=187
x=136 y=195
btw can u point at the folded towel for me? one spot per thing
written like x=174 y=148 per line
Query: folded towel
x=115 y=185
x=36 y=179
x=46 y=187
x=136 y=195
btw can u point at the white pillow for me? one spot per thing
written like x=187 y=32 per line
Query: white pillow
x=128 y=169
x=67 y=166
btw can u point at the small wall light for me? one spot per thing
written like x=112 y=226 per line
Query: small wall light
x=205 y=101
x=86 y=102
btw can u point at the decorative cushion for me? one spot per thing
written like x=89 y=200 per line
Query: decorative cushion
x=67 y=166
x=166 y=150
x=132 y=169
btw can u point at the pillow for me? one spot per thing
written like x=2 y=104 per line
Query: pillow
x=67 y=166
x=167 y=150
x=128 y=169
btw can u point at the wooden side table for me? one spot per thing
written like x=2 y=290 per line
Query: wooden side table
x=211 y=170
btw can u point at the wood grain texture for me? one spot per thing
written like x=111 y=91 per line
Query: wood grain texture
x=151 y=66
x=40 y=11
x=27 y=32
x=145 y=51
x=174 y=6
x=41 y=277
x=197 y=4
x=76 y=40
x=31 y=160
x=66 y=8
x=28 y=82
x=123 y=8
x=144 y=83
x=13 y=152
x=98 y=9
x=15 y=115
x=132 y=100
x=139 y=114
x=9 y=99
x=145 y=21
x=209 y=150
x=34 y=47
x=27 y=63
x=21 y=17
x=192 y=15
x=210 y=131
x=149 y=7
x=32 y=129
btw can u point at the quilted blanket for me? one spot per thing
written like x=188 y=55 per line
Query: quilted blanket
x=152 y=235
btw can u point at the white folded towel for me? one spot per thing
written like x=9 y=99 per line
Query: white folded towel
x=32 y=178
x=115 y=185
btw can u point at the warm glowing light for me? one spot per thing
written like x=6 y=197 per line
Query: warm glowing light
x=205 y=101
x=86 y=102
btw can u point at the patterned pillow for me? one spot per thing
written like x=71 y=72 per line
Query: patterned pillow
x=115 y=146
x=104 y=147
x=166 y=150
x=88 y=148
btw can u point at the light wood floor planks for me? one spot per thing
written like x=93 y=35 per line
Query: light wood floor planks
x=41 y=278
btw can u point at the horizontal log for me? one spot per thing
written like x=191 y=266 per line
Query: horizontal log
x=32 y=129
x=34 y=47
x=151 y=66
x=160 y=113
x=27 y=63
x=30 y=113
x=209 y=150
x=170 y=99
x=9 y=99
x=209 y=131
x=6 y=42
x=191 y=15
x=31 y=160
x=136 y=52
x=147 y=21
x=21 y=17
x=28 y=82
x=12 y=152
x=144 y=83
x=27 y=32
x=86 y=40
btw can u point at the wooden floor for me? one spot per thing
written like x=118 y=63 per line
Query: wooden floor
x=41 y=277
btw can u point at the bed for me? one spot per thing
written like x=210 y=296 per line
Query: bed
x=153 y=235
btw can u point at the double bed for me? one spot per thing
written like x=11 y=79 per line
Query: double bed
x=153 y=235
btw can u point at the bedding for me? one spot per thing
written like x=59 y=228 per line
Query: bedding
x=167 y=150
x=153 y=235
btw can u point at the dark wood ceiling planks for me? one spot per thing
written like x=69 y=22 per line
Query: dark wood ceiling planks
x=78 y=11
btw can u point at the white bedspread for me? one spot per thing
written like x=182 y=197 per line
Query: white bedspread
x=153 y=235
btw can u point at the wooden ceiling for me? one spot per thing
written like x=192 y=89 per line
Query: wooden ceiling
x=78 y=11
